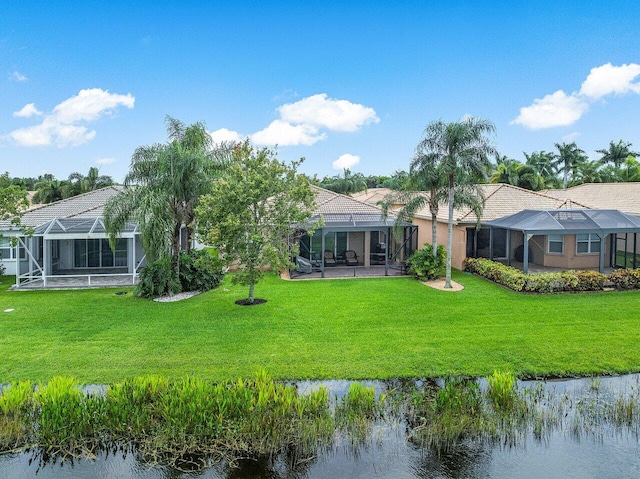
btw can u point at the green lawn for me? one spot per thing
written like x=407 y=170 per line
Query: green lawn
x=357 y=328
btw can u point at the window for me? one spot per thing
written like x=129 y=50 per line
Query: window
x=96 y=253
x=555 y=244
x=6 y=251
x=587 y=243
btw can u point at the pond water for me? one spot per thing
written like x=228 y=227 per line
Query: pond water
x=386 y=453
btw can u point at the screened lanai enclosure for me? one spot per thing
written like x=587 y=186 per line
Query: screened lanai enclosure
x=75 y=252
x=356 y=244
x=564 y=239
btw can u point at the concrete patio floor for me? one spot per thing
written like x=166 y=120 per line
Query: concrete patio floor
x=79 y=282
x=334 y=272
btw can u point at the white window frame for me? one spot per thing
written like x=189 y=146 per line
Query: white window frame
x=561 y=241
x=591 y=239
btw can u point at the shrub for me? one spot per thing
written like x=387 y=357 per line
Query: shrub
x=158 y=278
x=625 y=278
x=588 y=280
x=545 y=282
x=200 y=270
x=424 y=265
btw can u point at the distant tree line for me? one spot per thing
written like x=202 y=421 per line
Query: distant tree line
x=49 y=189
x=568 y=166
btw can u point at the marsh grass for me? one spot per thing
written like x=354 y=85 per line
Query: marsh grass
x=191 y=423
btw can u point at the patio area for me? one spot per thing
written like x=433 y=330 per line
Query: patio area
x=394 y=269
x=80 y=281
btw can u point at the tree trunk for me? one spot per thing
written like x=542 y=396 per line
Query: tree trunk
x=175 y=261
x=447 y=282
x=251 y=294
x=434 y=232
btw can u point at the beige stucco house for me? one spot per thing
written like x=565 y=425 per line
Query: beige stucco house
x=593 y=247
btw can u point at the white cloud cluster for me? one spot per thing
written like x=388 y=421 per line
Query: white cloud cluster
x=346 y=161
x=28 y=110
x=607 y=80
x=65 y=125
x=301 y=122
x=223 y=135
x=19 y=77
x=560 y=109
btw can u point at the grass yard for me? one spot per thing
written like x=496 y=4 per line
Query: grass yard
x=357 y=328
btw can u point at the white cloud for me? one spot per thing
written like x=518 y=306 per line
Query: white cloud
x=346 y=161
x=560 y=109
x=62 y=127
x=105 y=161
x=557 y=109
x=223 y=135
x=571 y=137
x=19 y=77
x=324 y=112
x=283 y=133
x=607 y=79
x=27 y=111
x=302 y=122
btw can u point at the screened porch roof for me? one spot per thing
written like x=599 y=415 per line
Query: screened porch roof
x=80 y=226
x=568 y=221
x=355 y=221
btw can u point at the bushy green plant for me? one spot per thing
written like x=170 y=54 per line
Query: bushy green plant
x=544 y=282
x=625 y=278
x=502 y=390
x=424 y=265
x=459 y=396
x=200 y=270
x=16 y=397
x=158 y=278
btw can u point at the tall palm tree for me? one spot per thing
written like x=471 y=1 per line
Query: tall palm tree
x=163 y=186
x=568 y=160
x=462 y=149
x=617 y=153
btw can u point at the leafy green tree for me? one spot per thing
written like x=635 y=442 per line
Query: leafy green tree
x=462 y=149
x=568 y=160
x=616 y=154
x=249 y=213
x=163 y=187
x=629 y=170
x=396 y=181
x=13 y=200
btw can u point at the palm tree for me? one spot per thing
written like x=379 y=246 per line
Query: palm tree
x=568 y=160
x=49 y=190
x=506 y=171
x=163 y=186
x=462 y=151
x=542 y=162
x=588 y=172
x=616 y=154
x=347 y=184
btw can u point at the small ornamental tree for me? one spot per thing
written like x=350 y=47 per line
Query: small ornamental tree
x=250 y=211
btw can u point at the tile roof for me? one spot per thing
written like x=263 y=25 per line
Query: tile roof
x=615 y=196
x=500 y=200
x=87 y=205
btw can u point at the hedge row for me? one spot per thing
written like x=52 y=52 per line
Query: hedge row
x=516 y=280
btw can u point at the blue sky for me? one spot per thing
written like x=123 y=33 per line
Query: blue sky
x=84 y=83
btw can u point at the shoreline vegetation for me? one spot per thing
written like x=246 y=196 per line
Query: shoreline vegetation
x=369 y=328
x=199 y=423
